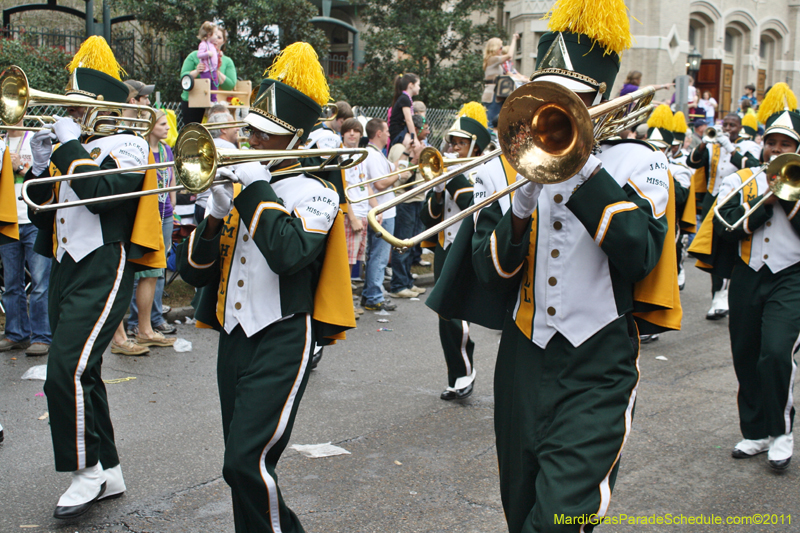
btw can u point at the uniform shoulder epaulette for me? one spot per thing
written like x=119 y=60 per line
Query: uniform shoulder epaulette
x=325 y=183
x=631 y=141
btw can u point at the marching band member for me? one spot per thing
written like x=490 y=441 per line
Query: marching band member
x=713 y=160
x=94 y=248
x=685 y=198
x=271 y=259
x=748 y=152
x=765 y=290
x=468 y=136
x=571 y=255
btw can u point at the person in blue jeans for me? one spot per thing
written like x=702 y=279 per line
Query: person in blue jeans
x=25 y=327
x=378 y=250
x=407 y=220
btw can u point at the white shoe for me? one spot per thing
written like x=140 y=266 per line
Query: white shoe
x=681 y=278
x=749 y=448
x=419 y=290
x=719 y=305
x=88 y=484
x=115 y=485
x=780 y=451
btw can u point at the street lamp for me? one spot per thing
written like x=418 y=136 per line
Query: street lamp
x=693 y=60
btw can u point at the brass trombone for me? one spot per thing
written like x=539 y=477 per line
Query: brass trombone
x=431 y=164
x=196 y=162
x=16 y=97
x=786 y=186
x=546 y=134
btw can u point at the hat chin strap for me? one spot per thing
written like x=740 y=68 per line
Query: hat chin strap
x=290 y=146
x=597 y=97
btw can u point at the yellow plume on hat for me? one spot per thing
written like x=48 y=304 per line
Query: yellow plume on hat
x=661 y=118
x=605 y=22
x=779 y=98
x=95 y=54
x=475 y=111
x=750 y=120
x=298 y=67
x=679 y=123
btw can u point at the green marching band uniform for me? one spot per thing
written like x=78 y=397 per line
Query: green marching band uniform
x=667 y=133
x=594 y=268
x=273 y=281
x=457 y=345
x=96 y=249
x=714 y=161
x=762 y=260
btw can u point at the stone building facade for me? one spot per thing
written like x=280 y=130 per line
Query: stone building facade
x=740 y=41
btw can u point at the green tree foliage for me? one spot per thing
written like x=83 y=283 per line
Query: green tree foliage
x=436 y=39
x=44 y=66
x=252 y=41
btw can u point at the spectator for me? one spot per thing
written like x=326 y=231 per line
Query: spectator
x=327 y=135
x=377 y=165
x=223 y=138
x=26 y=327
x=147 y=321
x=509 y=70
x=139 y=95
x=192 y=66
x=406 y=87
x=749 y=95
x=709 y=105
x=420 y=108
x=746 y=108
x=407 y=221
x=632 y=83
x=355 y=223
x=209 y=56
x=493 y=59
x=698 y=130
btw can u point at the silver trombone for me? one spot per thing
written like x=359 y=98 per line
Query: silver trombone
x=786 y=186
x=196 y=162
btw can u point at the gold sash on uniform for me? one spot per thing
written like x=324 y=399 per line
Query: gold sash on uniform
x=8 y=200
x=703 y=243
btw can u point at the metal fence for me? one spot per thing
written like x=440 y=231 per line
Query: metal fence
x=67 y=40
x=439 y=121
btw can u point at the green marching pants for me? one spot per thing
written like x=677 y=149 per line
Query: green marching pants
x=562 y=416
x=764 y=327
x=457 y=345
x=261 y=381
x=87 y=301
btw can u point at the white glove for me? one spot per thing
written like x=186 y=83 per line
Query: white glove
x=440 y=187
x=41 y=150
x=222 y=197
x=248 y=173
x=66 y=130
x=725 y=143
x=592 y=164
x=525 y=198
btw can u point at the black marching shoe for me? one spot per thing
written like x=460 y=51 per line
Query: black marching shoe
x=780 y=465
x=67 y=512
x=457 y=394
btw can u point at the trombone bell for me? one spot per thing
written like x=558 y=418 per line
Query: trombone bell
x=195 y=158
x=13 y=95
x=786 y=169
x=545 y=132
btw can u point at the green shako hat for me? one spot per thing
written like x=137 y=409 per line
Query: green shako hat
x=659 y=127
x=778 y=112
x=95 y=72
x=582 y=65
x=290 y=99
x=469 y=128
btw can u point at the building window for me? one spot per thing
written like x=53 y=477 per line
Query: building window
x=692 y=37
x=729 y=40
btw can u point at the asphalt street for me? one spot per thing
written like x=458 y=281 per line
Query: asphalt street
x=416 y=463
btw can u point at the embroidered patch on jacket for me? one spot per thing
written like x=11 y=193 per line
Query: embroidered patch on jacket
x=95 y=153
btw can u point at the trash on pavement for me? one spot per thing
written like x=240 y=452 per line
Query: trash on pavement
x=36 y=372
x=319 y=450
x=182 y=345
